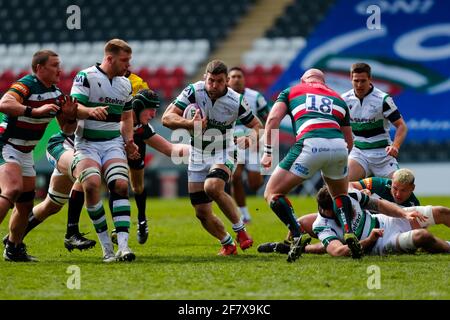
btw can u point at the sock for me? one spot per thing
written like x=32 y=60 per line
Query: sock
x=76 y=202
x=105 y=241
x=33 y=222
x=120 y=212
x=141 y=200
x=122 y=240
x=285 y=212
x=245 y=214
x=228 y=239
x=238 y=226
x=97 y=215
x=344 y=212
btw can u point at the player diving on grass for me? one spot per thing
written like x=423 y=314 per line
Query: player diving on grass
x=396 y=235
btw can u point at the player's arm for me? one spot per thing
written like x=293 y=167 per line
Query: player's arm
x=316 y=248
x=348 y=137
x=390 y=209
x=276 y=114
x=356 y=185
x=400 y=135
x=173 y=118
x=337 y=249
x=126 y=129
x=391 y=112
x=97 y=113
x=11 y=104
x=346 y=128
x=165 y=147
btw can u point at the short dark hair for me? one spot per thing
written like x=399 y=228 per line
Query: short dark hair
x=41 y=57
x=236 y=69
x=360 y=67
x=216 y=67
x=114 y=46
x=324 y=199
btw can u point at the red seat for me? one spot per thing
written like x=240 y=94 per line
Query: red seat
x=7 y=76
x=161 y=72
x=73 y=73
x=156 y=83
x=22 y=74
x=145 y=74
x=65 y=85
x=259 y=70
x=179 y=73
x=174 y=82
x=276 y=69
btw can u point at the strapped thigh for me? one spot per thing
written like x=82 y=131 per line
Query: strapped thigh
x=116 y=170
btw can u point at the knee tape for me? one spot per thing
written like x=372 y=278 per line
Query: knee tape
x=405 y=241
x=117 y=170
x=26 y=196
x=11 y=203
x=199 y=198
x=73 y=165
x=86 y=173
x=218 y=173
x=57 y=198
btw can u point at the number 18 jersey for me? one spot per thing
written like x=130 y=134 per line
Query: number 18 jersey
x=316 y=110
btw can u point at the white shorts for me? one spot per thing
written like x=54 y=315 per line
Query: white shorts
x=200 y=164
x=100 y=151
x=393 y=227
x=375 y=162
x=314 y=154
x=249 y=157
x=25 y=160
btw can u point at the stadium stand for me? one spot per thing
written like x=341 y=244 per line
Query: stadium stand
x=169 y=39
x=271 y=54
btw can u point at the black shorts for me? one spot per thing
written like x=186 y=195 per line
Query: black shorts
x=138 y=164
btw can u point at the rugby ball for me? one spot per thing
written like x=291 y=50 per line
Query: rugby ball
x=190 y=110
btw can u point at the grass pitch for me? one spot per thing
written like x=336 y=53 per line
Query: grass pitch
x=179 y=261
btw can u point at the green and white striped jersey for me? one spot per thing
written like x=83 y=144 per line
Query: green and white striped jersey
x=363 y=221
x=370 y=118
x=221 y=115
x=93 y=88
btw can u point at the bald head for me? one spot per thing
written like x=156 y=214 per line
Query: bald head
x=313 y=75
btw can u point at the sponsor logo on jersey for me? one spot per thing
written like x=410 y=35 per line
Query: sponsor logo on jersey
x=301 y=169
x=23 y=89
x=315 y=150
x=112 y=100
x=79 y=79
x=216 y=124
x=363 y=120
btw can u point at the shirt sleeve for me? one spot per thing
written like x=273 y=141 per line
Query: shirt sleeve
x=245 y=114
x=390 y=110
x=262 y=107
x=325 y=234
x=22 y=88
x=186 y=97
x=284 y=96
x=81 y=87
x=128 y=106
x=148 y=132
